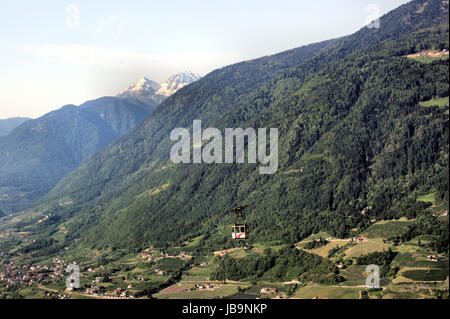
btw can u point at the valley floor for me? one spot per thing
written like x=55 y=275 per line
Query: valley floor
x=416 y=271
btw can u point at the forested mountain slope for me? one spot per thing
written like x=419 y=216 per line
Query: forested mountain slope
x=7 y=125
x=352 y=135
x=38 y=153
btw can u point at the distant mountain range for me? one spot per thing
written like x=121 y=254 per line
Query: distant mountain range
x=6 y=126
x=153 y=93
x=38 y=153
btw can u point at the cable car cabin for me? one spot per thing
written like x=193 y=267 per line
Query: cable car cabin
x=240 y=228
x=240 y=232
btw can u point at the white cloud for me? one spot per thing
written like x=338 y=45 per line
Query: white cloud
x=112 y=58
x=89 y=55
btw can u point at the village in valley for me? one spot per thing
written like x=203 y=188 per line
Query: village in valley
x=95 y=282
x=182 y=273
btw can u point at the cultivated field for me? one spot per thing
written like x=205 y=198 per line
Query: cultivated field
x=365 y=247
x=183 y=292
x=327 y=292
x=386 y=229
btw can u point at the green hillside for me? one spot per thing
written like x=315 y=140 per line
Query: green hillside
x=37 y=154
x=352 y=135
x=7 y=125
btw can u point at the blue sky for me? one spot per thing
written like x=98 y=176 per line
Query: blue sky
x=66 y=52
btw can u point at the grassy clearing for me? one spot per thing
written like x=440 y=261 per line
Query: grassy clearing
x=411 y=246
x=33 y=293
x=152 y=191
x=428 y=59
x=405 y=293
x=191 y=278
x=426 y=274
x=441 y=102
x=354 y=276
x=199 y=273
x=274 y=246
x=386 y=229
x=220 y=292
x=241 y=253
x=203 y=272
x=58 y=285
x=137 y=270
x=170 y=264
x=323 y=251
x=400 y=279
x=418 y=259
x=321 y=234
x=364 y=248
x=256 y=289
x=152 y=282
x=194 y=242
x=77 y=295
x=309 y=292
x=128 y=259
x=428 y=198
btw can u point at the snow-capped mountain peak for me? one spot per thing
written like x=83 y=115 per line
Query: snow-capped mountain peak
x=143 y=84
x=177 y=81
x=153 y=93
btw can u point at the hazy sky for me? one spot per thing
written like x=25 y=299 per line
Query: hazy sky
x=66 y=52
